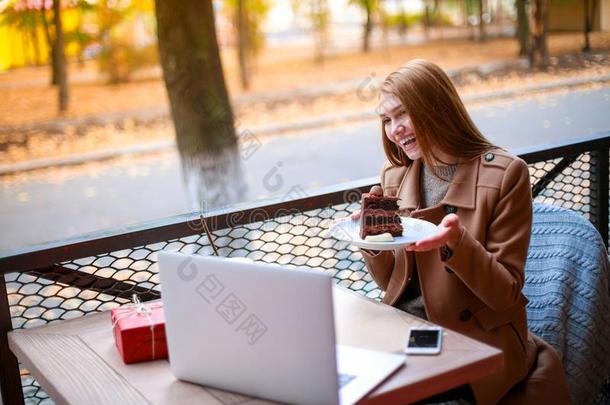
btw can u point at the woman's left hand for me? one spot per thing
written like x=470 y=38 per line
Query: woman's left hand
x=449 y=233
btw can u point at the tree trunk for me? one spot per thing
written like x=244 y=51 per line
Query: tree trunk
x=426 y=19
x=243 y=45
x=51 y=44
x=368 y=27
x=60 y=58
x=202 y=114
x=319 y=15
x=34 y=39
x=522 y=27
x=498 y=12
x=590 y=10
x=464 y=12
x=402 y=25
x=481 y=21
x=438 y=12
x=587 y=27
x=538 y=49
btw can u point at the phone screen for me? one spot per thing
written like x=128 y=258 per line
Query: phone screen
x=423 y=338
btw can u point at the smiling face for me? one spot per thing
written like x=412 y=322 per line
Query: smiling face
x=424 y=118
x=397 y=125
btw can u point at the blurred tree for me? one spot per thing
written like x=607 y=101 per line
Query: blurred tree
x=370 y=7
x=114 y=53
x=78 y=35
x=22 y=17
x=34 y=40
x=538 y=49
x=120 y=56
x=432 y=15
x=29 y=17
x=464 y=12
x=522 y=27
x=469 y=10
x=60 y=58
x=202 y=114
x=481 y=20
x=243 y=43
x=319 y=16
x=247 y=17
x=50 y=42
x=427 y=18
x=589 y=12
x=383 y=17
x=402 y=19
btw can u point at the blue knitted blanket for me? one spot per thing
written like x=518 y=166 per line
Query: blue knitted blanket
x=566 y=281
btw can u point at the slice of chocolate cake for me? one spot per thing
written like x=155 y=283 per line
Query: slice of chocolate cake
x=379 y=214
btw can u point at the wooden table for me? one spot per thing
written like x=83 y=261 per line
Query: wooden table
x=76 y=362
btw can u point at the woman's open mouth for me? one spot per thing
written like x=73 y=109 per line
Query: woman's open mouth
x=407 y=141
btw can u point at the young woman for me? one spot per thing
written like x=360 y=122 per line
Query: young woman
x=468 y=277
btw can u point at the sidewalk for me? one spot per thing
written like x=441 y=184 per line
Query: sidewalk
x=74 y=139
x=309 y=124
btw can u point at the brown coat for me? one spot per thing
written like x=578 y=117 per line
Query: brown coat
x=477 y=291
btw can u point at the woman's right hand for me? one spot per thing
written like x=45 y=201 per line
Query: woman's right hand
x=355 y=215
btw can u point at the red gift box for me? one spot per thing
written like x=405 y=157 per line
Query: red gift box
x=139 y=331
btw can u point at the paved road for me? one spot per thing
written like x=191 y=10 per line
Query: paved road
x=60 y=203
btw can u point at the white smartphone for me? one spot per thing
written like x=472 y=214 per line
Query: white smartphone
x=424 y=340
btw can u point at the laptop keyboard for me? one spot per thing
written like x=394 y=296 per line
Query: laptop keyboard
x=344 y=379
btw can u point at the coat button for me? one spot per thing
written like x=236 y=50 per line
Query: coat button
x=465 y=315
x=489 y=157
x=450 y=209
x=448 y=270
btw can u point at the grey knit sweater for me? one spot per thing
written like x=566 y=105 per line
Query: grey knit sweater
x=433 y=189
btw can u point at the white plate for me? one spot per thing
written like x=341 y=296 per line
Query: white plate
x=348 y=230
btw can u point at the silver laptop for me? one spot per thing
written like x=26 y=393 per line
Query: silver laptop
x=262 y=330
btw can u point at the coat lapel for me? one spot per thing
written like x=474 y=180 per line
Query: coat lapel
x=408 y=192
x=461 y=193
x=463 y=189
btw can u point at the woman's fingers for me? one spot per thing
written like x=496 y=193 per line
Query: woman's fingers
x=433 y=242
x=448 y=228
x=450 y=220
x=355 y=215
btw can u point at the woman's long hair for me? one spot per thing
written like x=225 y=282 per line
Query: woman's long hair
x=438 y=116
